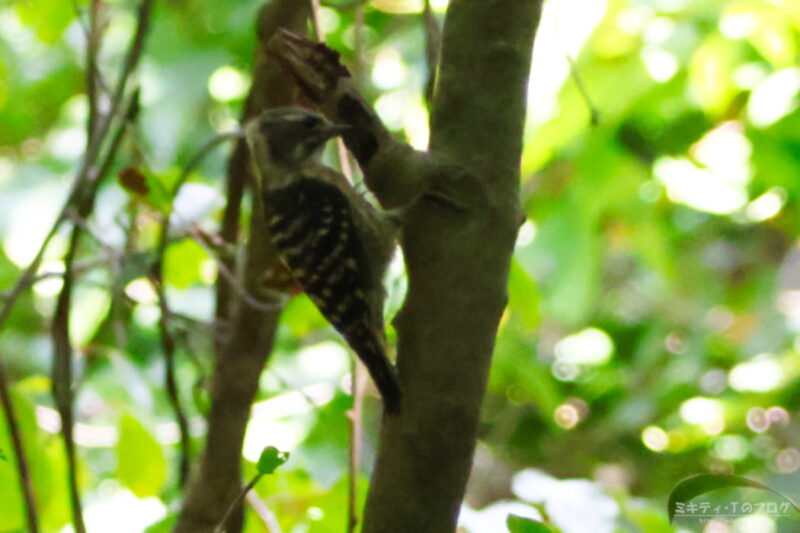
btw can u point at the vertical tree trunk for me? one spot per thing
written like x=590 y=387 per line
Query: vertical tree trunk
x=457 y=261
x=248 y=333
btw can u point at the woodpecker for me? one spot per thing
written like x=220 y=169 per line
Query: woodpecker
x=333 y=242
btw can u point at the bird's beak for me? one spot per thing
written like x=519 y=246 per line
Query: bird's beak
x=334 y=130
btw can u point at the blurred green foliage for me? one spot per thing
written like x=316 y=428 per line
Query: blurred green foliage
x=653 y=325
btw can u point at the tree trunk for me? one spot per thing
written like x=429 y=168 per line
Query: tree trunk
x=248 y=334
x=457 y=262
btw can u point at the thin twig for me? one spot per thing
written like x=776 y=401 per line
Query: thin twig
x=93 y=149
x=594 y=113
x=81 y=199
x=79 y=268
x=315 y=21
x=201 y=153
x=355 y=419
x=230 y=277
x=62 y=360
x=92 y=42
x=61 y=377
x=346 y=4
x=19 y=451
x=167 y=339
x=173 y=392
x=236 y=503
x=263 y=512
x=358 y=377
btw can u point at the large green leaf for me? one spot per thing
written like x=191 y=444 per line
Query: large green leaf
x=13 y=515
x=519 y=524
x=182 y=263
x=698 y=485
x=47 y=19
x=46 y=464
x=141 y=466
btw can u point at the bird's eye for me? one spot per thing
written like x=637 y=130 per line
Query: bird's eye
x=310 y=121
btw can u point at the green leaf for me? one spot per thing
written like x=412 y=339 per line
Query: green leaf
x=50 y=479
x=270 y=459
x=47 y=19
x=46 y=464
x=302 y=316
x=698 y=485
x=141 y=466
x=519 y=524
x=182 y=263
x=12 y=517
x=711 y=74
x=91 y=305
x=649 y=520
x=163 y=526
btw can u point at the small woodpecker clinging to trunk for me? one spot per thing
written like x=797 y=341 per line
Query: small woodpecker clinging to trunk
x=333 y=242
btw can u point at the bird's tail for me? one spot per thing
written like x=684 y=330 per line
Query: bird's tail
x=371 y=352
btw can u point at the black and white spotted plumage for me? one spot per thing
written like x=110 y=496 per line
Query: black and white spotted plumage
x=333 y=242
x=313 y=227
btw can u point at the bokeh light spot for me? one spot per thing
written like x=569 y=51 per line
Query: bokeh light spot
x=762 y=374
x=590 y=346
x=655 y=438
x=228 y=83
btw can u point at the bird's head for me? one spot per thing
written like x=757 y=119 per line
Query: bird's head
x=288 y=137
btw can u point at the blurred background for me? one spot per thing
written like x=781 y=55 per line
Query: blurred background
x=653 y=325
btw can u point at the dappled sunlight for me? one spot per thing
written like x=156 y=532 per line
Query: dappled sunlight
x=389 y=71
x=574 y=505
x=526 y=234
x=767 y=205
x=775 y=97
x=118 y=509
x=731 y=448
x=761 y=374
x=661 y=65
x=718 y=186
x=141 y=290
x=591 y=346
x=655 y=438
x=700 y=188
x=707 y=413
x=282 y=421
x=228 y=83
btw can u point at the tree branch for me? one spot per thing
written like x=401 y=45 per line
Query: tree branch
x=21 y=460
x=242 y=352
x=82 y=200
